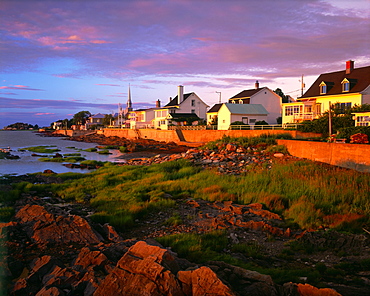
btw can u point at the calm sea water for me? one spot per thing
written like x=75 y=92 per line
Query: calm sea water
x=30 y=164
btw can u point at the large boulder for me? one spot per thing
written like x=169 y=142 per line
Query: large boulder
x=44 y=227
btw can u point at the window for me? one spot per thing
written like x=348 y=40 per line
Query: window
x=345 y=86
x=193 y=103
x=342 y=107
x=363 y=120
x=292 y=110
x=323 y=89
x=233 y=102
x=245 y=120
x=308 y=109
x=240 y=101
x=192 y=111
x=252 y=120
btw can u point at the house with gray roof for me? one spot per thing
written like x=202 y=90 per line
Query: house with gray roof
x=246 y=113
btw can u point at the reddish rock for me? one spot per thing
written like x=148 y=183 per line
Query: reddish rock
x=139 y=272
x=88 y=257
x=308 y=290
x=203 y=281
x=33 y=213
x=65 y=230
x=50 y=291
x=231 y=147
x=49 y=228
x=111 y=233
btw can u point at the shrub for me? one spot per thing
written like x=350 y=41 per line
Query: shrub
x=347 y=132
x=277 y=148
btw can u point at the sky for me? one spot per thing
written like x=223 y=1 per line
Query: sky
x=61 y=57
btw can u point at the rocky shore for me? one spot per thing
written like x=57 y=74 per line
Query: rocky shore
x=51 y=247
x=54 y=249
x=132 y=145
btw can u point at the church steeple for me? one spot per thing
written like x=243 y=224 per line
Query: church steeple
x=129 y=102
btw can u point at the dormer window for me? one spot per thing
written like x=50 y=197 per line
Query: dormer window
x=323 y=88
x=347 y=84
x=240 y=101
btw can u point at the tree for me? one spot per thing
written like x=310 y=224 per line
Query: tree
x=107 y=120
x=285 y=99
x=81 y=117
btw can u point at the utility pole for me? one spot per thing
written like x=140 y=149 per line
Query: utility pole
x=330 y=123
x=219 y=99
x=302 y=85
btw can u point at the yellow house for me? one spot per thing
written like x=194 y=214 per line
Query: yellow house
x=344 y=89
x=362 y=118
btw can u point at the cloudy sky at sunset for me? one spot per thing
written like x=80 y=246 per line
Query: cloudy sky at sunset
x=61 y=57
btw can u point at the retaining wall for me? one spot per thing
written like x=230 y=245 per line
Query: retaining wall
x=72 y=133
x=352 y=156
x=197 y=136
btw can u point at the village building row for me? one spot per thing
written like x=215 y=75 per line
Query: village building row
x=343 y=89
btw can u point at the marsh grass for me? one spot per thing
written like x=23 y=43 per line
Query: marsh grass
x=70 y=159
x=304 y=192
x=307 y=194
x=40 y=149
x=200 y=248
x=197 y=247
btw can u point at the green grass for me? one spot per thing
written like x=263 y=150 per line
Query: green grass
x=200 y=248
x=40 y=149
x=305 y=193
x=90 y=149
x=70 y=159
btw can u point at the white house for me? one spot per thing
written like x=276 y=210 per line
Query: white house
x=188 y=103
x=94 y=120
x=264 y=96
x=246 y=113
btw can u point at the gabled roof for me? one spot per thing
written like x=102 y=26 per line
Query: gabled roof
x=247 y=93
x=214 y=108
x=362 y=75
x=251 y=109
x=98 y=115
x=174 y=101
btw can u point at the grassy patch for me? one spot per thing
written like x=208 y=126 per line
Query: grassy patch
x=93 y=149
x=70 y=159
x=40 y=149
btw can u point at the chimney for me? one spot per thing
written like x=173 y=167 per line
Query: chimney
x=350 y=65
x=180 y=94
x=158 y=104
x=256 y=85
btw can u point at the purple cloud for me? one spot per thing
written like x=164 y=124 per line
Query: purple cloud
x=67 y=48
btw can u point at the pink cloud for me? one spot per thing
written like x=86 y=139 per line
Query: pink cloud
x=20 y=87
x=107 y=84
x=40 y=114
x=99 y=41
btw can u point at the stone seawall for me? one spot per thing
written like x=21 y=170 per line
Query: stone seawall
x=352 y=156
